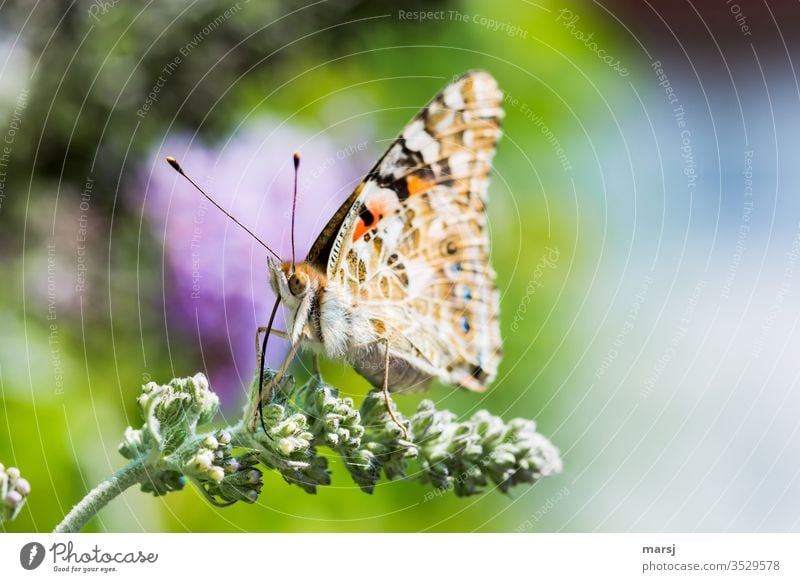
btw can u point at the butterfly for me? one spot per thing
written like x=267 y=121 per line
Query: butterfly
x=398 y=283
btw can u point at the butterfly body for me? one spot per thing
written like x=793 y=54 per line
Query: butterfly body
x=401 y=272
x=325 y=318
x=317 y=312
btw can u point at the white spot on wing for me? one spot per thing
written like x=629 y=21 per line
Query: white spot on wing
x=419 y=140
x=393 y=162
x=392 y=230
x=387 y=197
x=469 y=138
x=459 y=164
x=453 y=97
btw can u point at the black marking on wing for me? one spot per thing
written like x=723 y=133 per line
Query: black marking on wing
x=366 y=215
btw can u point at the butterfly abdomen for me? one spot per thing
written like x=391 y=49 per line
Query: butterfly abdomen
x=370 y=362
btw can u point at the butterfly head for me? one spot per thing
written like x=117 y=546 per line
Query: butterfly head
x=296 y=285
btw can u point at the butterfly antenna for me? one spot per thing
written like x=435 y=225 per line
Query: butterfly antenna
x=177 y=167
x=294 y=199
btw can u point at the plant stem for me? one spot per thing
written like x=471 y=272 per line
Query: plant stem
x=98 y=497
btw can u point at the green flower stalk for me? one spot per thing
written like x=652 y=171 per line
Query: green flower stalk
x=173 y=447
x=14 y=491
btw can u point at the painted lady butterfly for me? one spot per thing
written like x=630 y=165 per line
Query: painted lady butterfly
x=398 y=283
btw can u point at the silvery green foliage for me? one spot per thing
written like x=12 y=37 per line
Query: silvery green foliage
x=386 y=445
x=223 y=477
x=368 y=440
x=289 y=448
x=463 y=456
x=14 y=490
x=169 y=440
x=288 y=445
x=466 y=457
x=336 y=423
x=172 y=412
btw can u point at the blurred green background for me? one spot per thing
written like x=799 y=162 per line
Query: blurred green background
x=95 y=271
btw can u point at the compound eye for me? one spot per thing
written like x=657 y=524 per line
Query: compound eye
x=298 y=283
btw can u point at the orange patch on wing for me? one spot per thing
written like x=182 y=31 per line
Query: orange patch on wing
x=360 y=230
x=369 y=219
x=416 y=184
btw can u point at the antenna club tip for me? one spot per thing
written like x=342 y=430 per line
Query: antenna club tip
x=174 y=163
x=296 y=158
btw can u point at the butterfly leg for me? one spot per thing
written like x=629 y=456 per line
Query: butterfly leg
x=386 y=392
x=262 y=329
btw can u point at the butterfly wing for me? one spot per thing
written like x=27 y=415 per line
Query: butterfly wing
x=410 y=244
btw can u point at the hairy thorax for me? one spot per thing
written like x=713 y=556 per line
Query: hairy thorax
x=320 y=312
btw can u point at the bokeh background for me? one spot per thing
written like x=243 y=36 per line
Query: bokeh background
x=645 y=228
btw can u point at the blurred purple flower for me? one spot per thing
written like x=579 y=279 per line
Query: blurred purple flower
x=216 y=284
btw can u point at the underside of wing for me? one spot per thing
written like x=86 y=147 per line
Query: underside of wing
x=412 y=249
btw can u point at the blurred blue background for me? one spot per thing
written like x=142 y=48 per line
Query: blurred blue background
x=645 y=230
